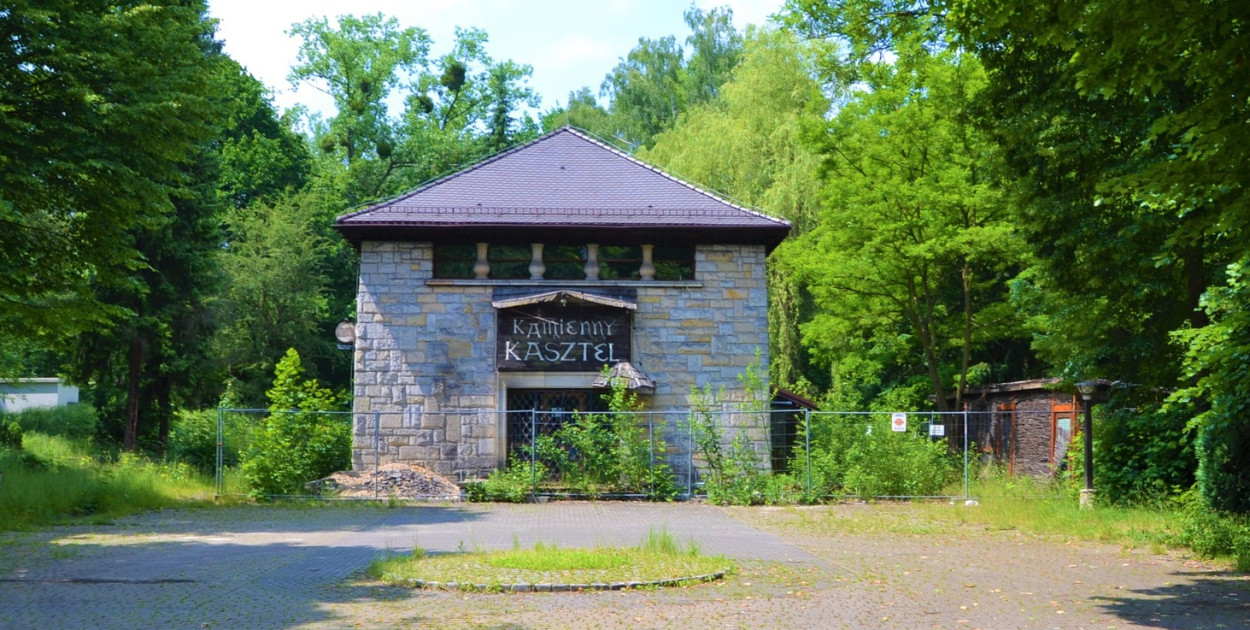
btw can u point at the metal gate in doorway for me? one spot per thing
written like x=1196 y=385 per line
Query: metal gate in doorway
x=536 y=412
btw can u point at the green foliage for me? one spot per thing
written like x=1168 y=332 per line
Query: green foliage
x=914 y=242
x=57 y=478
x=1212 y=534
x=10 y=435
x=861 y=456
x=734 y=471
x=104 y=106
x=656 y=82
x=1218 y=360
x=72 y=421
x=512 y=484
x=193 y=440
x=296 y=443
x=1141 y=454
x=275 y=295
x=609 y=453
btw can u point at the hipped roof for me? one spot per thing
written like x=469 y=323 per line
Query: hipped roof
x=568 y=186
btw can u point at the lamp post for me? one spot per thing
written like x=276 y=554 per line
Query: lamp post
x=1087 y=390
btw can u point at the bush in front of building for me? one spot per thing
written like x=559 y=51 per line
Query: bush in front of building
x=513 y=484
x=298 y=442
x=612 y=453
x=862 y=457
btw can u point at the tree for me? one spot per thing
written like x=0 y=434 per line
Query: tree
x=275 y=295
x=656 y=82
x=296 y=444
x=914 y=240
x=747 y=143
x=1125 y=125
x=102 y=107
x=359 y=64
x=159 y=356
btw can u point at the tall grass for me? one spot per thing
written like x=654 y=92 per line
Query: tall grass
x=55 y=479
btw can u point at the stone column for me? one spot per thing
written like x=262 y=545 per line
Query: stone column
x=647 y=271
x=592 y=261
x=537 y=268
x=481 y=268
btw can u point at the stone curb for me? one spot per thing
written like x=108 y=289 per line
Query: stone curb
x=523 y=587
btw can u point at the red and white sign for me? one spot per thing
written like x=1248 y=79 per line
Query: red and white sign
x=898 y=422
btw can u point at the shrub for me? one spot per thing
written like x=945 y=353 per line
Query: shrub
x=513 y=484
x=193 y=438
x=10 y=435
x=297 y=442
x=854 y=456
x=735 y=471
x=608 y=453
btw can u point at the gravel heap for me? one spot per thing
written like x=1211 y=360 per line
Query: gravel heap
x=399 y=481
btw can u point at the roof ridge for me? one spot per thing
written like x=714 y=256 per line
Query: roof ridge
x=430 y=183
x=703 y=191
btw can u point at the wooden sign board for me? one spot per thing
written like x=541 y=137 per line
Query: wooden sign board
x=549 y=337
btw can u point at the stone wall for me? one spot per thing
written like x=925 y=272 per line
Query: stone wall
x=425 y=355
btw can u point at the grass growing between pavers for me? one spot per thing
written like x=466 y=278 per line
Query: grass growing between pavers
x=659 y=561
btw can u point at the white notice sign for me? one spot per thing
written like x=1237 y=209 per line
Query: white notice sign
x=937 y=430
x=898 y=422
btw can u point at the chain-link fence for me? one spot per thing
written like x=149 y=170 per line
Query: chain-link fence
x=793 y=454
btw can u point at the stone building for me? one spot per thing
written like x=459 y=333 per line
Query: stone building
x=511 y=284
x=1024 y=425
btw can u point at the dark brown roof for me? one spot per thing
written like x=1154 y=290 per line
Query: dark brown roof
x=568 y=185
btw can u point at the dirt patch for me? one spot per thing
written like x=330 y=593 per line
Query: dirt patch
x=390 y=481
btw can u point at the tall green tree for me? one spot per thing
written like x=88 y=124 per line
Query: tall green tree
x=276 y=294
x=159 y=356
x=657 y=81
x=747 y=144
x=359 y=62
x=103 y=106
x=1124 y=125
x=915 y=240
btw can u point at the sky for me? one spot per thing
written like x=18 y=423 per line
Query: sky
x=569 y=43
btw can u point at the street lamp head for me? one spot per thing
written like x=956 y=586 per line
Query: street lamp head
x=345 y=332
x=1087 y=389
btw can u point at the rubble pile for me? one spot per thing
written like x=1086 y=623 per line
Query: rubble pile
x=390 y=481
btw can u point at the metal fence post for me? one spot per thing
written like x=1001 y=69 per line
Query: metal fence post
x=377 y=451
x=651 y=454
x=220 y=455
x=533 y=452
x=965 y=453
x=690 y=457
x=807 y=448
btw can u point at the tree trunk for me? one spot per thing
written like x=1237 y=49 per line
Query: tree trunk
x=135 y=361
x=166 y=411
x=966 y=276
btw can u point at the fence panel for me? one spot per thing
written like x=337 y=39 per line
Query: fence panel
x=819 y=455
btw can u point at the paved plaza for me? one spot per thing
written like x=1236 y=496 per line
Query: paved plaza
x=301 y=567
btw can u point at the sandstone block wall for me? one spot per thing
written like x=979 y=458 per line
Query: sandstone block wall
x=426 y=387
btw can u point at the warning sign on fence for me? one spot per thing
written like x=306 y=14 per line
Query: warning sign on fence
x=937 y=430
x=898 y=422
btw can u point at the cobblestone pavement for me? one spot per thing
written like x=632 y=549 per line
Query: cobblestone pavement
x=283 y=567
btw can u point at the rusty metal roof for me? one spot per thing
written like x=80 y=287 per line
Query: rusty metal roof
x=564 y=183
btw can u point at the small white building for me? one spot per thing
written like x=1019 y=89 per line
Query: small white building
x=23 y=393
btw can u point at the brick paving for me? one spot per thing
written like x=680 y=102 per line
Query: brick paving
x=283 y=567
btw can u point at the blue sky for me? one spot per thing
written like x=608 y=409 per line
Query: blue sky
x=569 y=43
